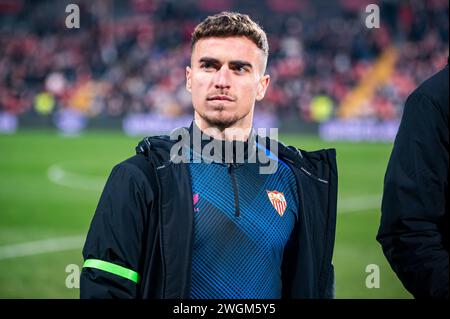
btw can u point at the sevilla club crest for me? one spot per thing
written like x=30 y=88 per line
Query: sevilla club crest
x=278 y=201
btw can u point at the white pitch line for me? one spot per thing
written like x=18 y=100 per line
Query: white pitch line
x=60 y=176
x=41 y=246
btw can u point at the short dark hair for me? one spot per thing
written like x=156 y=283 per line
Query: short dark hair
x=231 y=24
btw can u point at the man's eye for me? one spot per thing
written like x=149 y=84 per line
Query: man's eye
x=207 y=66
x=240 y=69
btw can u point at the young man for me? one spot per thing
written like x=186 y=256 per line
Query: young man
x=171 y=226
x=415 y=209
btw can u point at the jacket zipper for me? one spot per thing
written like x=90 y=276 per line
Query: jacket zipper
x=161 y=246
x=237 y=211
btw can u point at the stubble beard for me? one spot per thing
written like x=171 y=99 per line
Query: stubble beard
x=220 y=121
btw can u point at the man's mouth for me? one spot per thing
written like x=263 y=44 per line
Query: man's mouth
x=220 y=98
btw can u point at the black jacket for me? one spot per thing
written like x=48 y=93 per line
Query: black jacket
x=144 y=222
x=414 y=221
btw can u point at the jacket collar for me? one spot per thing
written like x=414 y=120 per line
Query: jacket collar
x=206 y=148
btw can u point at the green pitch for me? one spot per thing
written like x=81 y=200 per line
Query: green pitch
x=50 y=185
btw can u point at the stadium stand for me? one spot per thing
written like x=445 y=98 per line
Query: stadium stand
x=128 y=57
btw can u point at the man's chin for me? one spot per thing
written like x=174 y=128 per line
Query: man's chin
x=221 y=122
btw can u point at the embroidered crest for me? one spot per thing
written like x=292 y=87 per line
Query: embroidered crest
x=278 y=201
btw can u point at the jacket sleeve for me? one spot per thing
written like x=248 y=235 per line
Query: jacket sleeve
x=414 y=200
x=113 y=245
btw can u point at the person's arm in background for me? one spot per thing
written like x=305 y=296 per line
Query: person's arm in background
x=112 y=251
x=414 y=221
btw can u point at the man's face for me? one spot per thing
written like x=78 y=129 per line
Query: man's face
x=225 y=79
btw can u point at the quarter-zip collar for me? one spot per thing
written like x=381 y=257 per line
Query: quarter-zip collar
x=207 y=148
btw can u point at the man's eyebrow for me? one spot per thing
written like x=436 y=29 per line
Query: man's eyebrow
x=208 y=59
x=241 y=63
x=234 y=62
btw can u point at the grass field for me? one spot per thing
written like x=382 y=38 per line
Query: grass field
x=50 y=185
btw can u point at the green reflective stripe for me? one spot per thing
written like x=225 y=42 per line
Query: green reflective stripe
x=112 y=268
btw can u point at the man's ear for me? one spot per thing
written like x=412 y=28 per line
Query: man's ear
x=188 y=78
x=263 y=84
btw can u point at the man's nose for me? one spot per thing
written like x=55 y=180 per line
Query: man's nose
x=222 y=79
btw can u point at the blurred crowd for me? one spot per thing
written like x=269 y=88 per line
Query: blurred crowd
x=130 y=56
